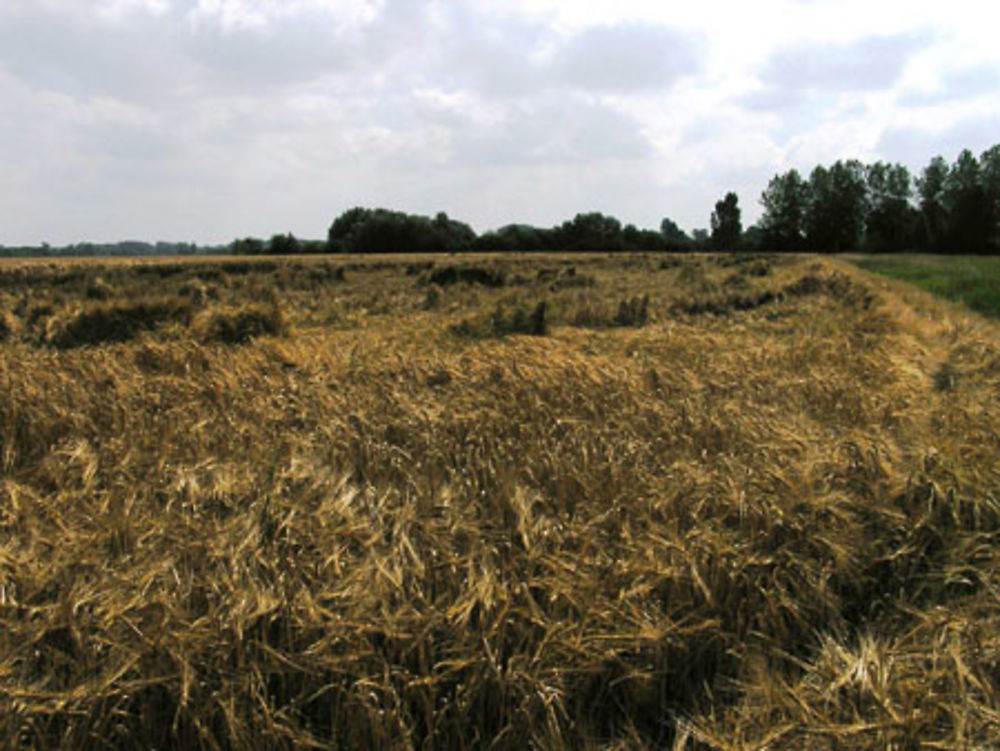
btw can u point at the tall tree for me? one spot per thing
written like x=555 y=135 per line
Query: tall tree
x=726 y=224
x=965 y=203
x=989 y=168
x=890 y=216
x=785 y=202
x=838 y=205
x=930 y=188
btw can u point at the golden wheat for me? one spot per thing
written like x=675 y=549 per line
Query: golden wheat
x=762 y=514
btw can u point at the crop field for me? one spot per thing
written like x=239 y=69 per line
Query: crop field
x=511 y=502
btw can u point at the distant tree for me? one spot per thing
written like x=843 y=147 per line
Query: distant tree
x=313 y=247
x=753 y=239
x=989 y=169
x=848 y=206
x=361 y=230
x=785 y=202
x=700 y=239
x=674 y=237
x=513 y=237
x=965 y=203
x=247 y=246
x=726 y=225
x=389 y=232
x=630 y=236
x=651 y=240
x=590 y=231
x=838 y=205
x=453 y=236
x=930 y=188
x=341 y=236
x=889 y=225
x=284 y=244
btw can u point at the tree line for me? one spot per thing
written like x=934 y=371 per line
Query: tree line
x=880 y=208
x=846 y=206
x=129 y=248
x=379 y=230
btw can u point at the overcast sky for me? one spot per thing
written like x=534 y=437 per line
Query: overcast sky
x=204 y=120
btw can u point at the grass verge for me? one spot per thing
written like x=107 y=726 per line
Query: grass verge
x=972 y=280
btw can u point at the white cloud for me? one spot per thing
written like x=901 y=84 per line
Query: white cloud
x=236 y=15
x=208 y=119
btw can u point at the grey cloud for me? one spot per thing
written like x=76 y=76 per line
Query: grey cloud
x=504 y=57
x=559 y=128
x=559 y=132
x=625 y=58
x=496 y=59
x=75 y=53
x=153 y=58
x=294 y=50
x=869 y=64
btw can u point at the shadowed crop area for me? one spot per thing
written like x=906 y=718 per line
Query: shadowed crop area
x=510 y=502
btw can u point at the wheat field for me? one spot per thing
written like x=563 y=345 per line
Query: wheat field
x=552 y=502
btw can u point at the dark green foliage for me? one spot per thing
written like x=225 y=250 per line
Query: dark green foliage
x=585 y=232
x=361 y=230
x=930 y=186
x=960 y=205
x=838 y=204
x=591 y=231
x=674 y=238
x=700 y=239
x=850 y=206
x=118 y=249
x=247 y=246
x=989 y=176
x=515 y=238
x=966 y=206
x=891 y=219
x=284 y=245
x=726 y=225
x=785 y=203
